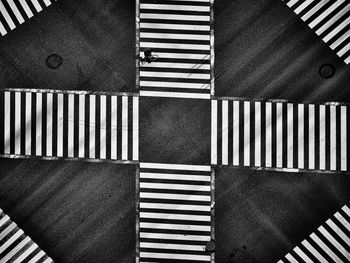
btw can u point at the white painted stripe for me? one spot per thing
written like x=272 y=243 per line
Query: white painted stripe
x=340 y=40
x=26 y=8
x=174 y=95
x=257 y=145
x=311 y=136
x=81 y=126
x=314 y=252
x=333 y=138
x=167 y=216
x=114 y=127
x=325 y=13
x=195 y=8
x=176 y=65
x=6 y=15
x=174 y=46
x=49 y=127
x=26 y=253
x=291 y=258
x=92 y=125
x=7 y=230
x=39 y=120
x=60 y=108
x=279 y=135
x=338 y=231
x=332 y=20
x=103 y=126
x=174 y=26
x=346 y=210
x=47 y=2
x=214 y=132
x=4 y=219
x=175 y=186
x=17 y=123
x=344 y=50
x=174 y=75
x=48 y=260
x=347 y=60
x=179 y=85
x=313 y=10
x=302 y=255
x=172 y=246
x=174 y=236
x=235 y=149
x=322 y=245
x=336 y=30
x=224 y=147
x=37 y=257
x=124 y=128
x=186 y=167
x=181 y=56
x=303 y=6
x=175 y=17
x=172 y=176
x=135 y=129
x=204 y=1
x=174 y=36
x=322 y=137
x=246 y=133
x=334 y=242
x=175 y=256
x=204 y=208
x=292 y=2
x=268 y=134
x=15 y=11
x=290 y=142
x=7 y=122
x=28 y=123
x=342 y=220
x=16 y=249
x=12 y=239
x=175 y=226
x=71 y=125
x=175 y=196
x=37 y=5
x=2 y=29
x=301 y=136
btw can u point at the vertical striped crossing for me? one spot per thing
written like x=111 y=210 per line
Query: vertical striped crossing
x=69 y=125
x=330 y=19
x=280 y=135
x=180 y=32
x=329 y=243
x=15 y=12
x=16 y=246
x=175 y=214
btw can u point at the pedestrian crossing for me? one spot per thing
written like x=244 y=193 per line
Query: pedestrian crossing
x=69 y=125
x=15 y=12
x=280 y=135
x=16 y=247
x=180 y=33
x=175 y=212
x=329 y=243
x=330 y=19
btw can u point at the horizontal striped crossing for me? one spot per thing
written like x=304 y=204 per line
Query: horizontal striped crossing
x=16 y=246
x=330 y=19
x=174 y=212
x=329 y=243
x=15 y=12
x=69 y=125
x=280 y=135
x=180 y=34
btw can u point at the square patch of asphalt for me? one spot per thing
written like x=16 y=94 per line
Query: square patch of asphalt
x=262 y=215
x=175 y=130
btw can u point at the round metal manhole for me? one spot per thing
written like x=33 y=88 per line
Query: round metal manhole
x=210 y=246
x=326 y=71
x=54 y=61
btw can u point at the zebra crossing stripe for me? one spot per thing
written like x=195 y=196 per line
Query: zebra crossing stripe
x=330 y=20
x=180 y=34
x=69 y=125
x=174 y=212
x=280 y=135
x=14 y=13
x=329 y=243
x=15 y=246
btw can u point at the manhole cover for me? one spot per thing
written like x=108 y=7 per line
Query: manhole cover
x=54 y=61
x=327 y=71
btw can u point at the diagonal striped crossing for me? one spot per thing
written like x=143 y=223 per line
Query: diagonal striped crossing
x=16 y=246
x=330 y=20
x=15 y=12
